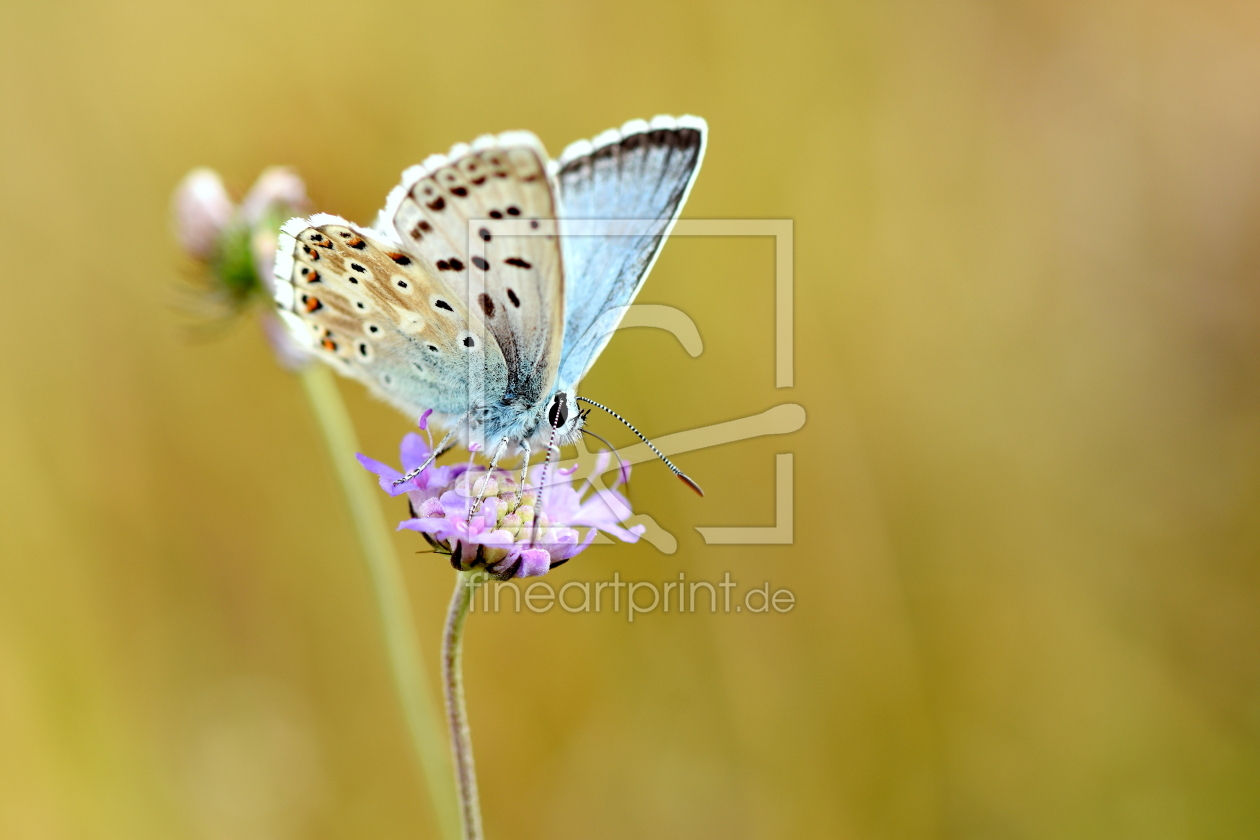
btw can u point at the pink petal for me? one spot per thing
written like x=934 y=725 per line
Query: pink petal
x=277 y=187
x=202 y=209
x=534 y=562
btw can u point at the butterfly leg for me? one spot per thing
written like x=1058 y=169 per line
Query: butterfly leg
x=438 y=450
x=494 y=462
x=520 y=489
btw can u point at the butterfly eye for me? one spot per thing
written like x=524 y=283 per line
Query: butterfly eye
x=558 y=414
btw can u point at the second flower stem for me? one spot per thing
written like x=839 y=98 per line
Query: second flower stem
x=389 y=587
x=456 y=714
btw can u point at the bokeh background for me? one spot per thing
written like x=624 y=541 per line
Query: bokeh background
x=1026 y=538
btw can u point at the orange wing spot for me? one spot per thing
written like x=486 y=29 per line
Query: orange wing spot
x=312 y=304
x=329 y=345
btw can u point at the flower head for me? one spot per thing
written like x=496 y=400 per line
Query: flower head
x=515 y=531
x=235 y=245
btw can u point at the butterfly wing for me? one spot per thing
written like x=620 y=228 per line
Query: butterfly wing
x=483 y=218
x=363 y=304
x=632 y=182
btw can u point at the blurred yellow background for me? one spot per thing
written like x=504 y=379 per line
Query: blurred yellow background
x=1026 y=539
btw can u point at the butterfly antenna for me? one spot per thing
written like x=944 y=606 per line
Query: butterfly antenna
x=620 y=464
x=686 y=480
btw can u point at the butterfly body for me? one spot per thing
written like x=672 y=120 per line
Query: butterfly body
x=493 y=277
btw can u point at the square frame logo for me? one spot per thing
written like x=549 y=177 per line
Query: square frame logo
x=784 y=418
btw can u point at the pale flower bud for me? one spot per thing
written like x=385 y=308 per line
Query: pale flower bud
x=201 y=209
x=512 y=522
x=491 y=554
x=277 y=188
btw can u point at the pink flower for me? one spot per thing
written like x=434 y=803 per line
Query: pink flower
x=236 y=245
x=513 y=533
x=201 y=210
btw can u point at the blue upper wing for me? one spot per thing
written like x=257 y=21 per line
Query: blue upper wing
x=620 y=195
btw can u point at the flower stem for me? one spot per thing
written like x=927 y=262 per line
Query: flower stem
x=456 y=714
x=394 y=609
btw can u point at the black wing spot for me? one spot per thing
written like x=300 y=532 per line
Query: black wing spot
x=533 y=224
x=495 y=214
x=354 y=280
x=363 y=351
x=438 y=203
x=441 y=304
x=514 y=211
x=443 y=265
x=484 y=234
x=481 y=263
x=456 y=265
x=345 y=234
x=518 y=262
x=468 y=341
x=515 y=300
x=358 y=268
x=402 y=284
x=460 y=191
x=433 y=348
x=374 y=329
x=487 y=305
x=425 y=226
x=401 y=259
x=359 y=304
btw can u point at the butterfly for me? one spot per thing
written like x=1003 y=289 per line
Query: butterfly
x=493 y=278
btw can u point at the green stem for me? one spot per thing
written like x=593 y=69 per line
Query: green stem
x=456 y=714
x=405 y=660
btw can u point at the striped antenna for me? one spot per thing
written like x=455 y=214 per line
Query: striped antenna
x=686 y=480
